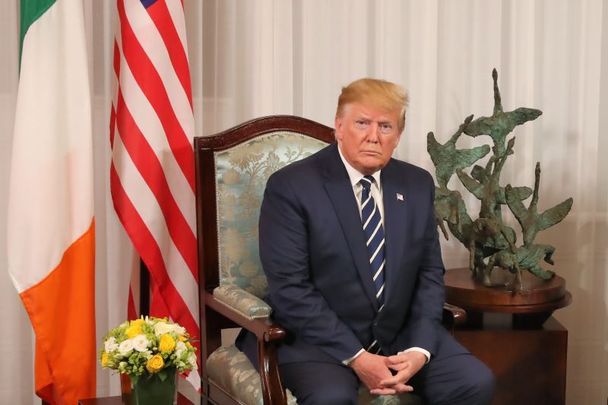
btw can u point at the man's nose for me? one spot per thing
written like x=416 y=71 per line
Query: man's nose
x=372 y=132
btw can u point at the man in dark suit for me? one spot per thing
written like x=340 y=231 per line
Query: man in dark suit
x=349 y=245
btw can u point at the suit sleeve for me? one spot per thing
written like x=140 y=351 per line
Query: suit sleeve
x=284 y=251
x=423 y=326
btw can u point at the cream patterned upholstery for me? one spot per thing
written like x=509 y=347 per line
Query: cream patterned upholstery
x=242 y=301
x=241 y=175
x=235 y=373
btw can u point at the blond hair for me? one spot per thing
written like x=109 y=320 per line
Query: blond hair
x=377 y=93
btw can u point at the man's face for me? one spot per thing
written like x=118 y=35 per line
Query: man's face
x=367 y=136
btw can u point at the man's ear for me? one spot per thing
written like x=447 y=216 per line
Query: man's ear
x=338 y=123
x=399 y=136
x=400 y=133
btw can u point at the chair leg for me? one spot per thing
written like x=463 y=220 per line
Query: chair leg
x=272 y=386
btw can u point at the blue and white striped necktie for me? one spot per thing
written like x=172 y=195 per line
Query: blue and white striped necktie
x=374 y=235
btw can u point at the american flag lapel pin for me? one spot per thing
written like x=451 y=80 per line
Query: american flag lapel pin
x=399 y=196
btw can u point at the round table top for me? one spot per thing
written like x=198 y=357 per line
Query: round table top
x=536 y=296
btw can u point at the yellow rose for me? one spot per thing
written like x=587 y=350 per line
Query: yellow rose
x=155 y=363
x=133 y=330
x=138 y=322
x=105 y=359
x=166 y=343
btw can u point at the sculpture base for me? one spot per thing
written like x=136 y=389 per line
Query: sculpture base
x=530 y=307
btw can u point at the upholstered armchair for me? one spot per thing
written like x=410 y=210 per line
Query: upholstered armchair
x=231 y=172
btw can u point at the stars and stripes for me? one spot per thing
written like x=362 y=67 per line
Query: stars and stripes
x=152 y=170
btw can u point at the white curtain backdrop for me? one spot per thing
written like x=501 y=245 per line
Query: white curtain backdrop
x=251 y=58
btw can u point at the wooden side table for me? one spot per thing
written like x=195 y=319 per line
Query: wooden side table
x=523 y=345
x=529 y=365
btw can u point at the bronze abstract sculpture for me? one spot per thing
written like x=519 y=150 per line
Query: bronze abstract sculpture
x=491 y=242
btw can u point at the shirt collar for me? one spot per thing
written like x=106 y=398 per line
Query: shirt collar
x=355 y=175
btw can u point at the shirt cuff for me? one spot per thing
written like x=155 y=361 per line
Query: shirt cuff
x=426 y=353
x=350 y=360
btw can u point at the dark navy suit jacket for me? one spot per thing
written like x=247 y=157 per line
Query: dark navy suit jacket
x=313 y=252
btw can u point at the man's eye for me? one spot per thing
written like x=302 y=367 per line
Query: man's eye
x=385 y=128
x=362 y=124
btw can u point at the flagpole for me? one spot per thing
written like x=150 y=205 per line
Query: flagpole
x=144 y=289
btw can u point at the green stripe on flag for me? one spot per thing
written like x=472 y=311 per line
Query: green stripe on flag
x=31 y=10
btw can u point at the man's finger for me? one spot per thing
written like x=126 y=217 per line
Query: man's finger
x=399 y=378
x=397 y=358
x=399 y=366
x=383 y=391
x=403 y=388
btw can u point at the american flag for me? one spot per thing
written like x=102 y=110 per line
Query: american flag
x=152 y=170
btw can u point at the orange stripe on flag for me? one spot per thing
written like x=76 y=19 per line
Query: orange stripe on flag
x=62 y=311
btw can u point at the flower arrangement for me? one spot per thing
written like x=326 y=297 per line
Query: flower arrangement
x=148 y=347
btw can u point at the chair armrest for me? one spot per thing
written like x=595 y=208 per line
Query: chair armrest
x=453 y=316
x=242 y=301
x=263 y=328
x=268 y=334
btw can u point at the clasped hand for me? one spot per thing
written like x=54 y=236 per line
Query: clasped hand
x=375 y=371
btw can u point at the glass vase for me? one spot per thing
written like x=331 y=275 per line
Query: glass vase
x=154 y=390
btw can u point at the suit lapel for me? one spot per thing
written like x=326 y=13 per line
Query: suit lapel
x=339 y=189
x=395 y=195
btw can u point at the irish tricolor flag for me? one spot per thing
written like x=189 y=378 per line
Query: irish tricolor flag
x=51 y=227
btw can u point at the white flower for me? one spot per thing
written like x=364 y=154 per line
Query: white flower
x=161 y=328
x=180 y=348
x=125 y=347
x=110 y=345
x=140 y=343
x=192 y=361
